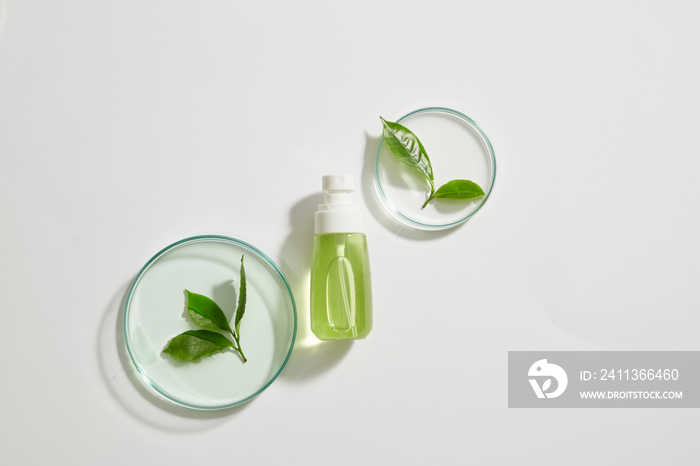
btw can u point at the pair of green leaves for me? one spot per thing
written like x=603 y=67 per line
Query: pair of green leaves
x=410 y=151
x=206 y=314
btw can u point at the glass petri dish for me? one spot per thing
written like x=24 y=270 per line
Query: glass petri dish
x=155 y=311
x=458 y=149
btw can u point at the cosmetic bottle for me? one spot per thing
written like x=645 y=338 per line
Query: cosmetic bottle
x=341 y=288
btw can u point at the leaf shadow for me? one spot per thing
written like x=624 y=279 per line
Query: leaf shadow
x=226 y=296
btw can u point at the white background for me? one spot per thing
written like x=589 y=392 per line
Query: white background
x=128 y=125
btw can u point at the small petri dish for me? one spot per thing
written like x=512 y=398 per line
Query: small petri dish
x=155 y=311
x=457 y=148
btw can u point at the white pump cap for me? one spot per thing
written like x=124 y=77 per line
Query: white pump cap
x=338 y=213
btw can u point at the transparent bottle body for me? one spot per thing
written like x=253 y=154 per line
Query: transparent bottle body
x=341 y=288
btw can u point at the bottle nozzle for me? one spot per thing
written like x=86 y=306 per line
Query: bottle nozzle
x=334 y=183
x=338 y=213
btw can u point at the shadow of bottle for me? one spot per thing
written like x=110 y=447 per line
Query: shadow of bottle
x=311 y=356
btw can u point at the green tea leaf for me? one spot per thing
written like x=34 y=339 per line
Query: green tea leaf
x=408 y=149
x=195 y=344
x=242 y=297
x=459 y=189
x=206 y=313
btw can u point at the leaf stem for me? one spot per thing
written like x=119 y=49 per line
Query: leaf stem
x=430 y=197
x=238 y=347
x=240 y=351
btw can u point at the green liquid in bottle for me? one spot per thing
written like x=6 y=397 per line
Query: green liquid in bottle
x=341 y=288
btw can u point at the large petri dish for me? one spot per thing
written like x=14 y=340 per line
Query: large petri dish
x=155 y=311
x=457 y=148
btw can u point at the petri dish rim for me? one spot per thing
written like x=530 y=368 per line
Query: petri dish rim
x=391 y=207
x=130 y=294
